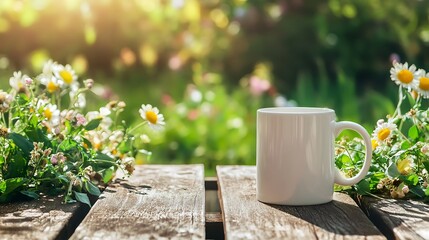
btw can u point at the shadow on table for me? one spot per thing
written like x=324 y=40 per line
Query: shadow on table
x=334 y=217
x=405 y=217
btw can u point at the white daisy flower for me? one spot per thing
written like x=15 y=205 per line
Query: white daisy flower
x=18 y=81
x=52 y=84
x=384 y=132
x=422 y=84
x=152 y=116
x=48 y=67
x=52 y=114
x=66 y=74
x=403 y=75
x=48 y=71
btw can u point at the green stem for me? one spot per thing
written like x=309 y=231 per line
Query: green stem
x=401 y=98
x=3 y=119
x=115 y=123
x=347 y=149
x=137 y=126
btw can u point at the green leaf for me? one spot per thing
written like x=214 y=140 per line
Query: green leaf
x=91 y=188
x=10 y=187
x=393 y=171
x=22 y=142
x=405 y=145
x=412 y=179
x=64 y=179
x=82 y=197
x=413 y=132
x=87 y=142
x=103 y=156
x=30 y=194
x=125 y=146
x=37 y=135
x=93 y=124
x=108 y=174
x=16 y=165
x=418 y=191
x=363 y=187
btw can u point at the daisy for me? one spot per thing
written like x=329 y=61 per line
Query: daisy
x=52 y=84
x=403 y=75
x=422 y=86
x=152 y=116
x=384 y=132
x=48 y=71
x=18 y=81
x=52 y=114
x=66 y=74
x=374 y=144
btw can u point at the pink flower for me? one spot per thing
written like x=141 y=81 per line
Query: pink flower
x=80 y=120
x=58 y=157
x=258 y=85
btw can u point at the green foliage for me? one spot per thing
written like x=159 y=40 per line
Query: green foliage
x=400 y=144
x=47 y=148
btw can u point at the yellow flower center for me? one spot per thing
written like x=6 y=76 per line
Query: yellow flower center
x=52 y=87
x=383 y=134
x=374 y=144
x=151 y=117
x=48 y=113
x=66 y=76
x=424 y=83
x=405 y=76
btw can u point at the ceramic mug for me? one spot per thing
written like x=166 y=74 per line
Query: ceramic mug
x=295 y=155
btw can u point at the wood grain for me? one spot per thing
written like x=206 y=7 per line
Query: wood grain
x=246 y=218
x=157 y=201
x=46 y=218
x=398 y=219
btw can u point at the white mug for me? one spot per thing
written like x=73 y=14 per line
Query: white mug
x=295 y=155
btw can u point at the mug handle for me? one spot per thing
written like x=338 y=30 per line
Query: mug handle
x=339 y=178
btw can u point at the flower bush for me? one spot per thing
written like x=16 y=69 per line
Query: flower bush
x=400 y=142
x=50 y=145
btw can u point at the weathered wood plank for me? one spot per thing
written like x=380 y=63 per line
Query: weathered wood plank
x=398 y=219
x=46 y=218
x=157 y=201
x=246 y=218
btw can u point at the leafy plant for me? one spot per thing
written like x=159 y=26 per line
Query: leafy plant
x=47 y=148
x=400 y=143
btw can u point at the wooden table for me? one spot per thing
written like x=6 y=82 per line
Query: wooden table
x=169 y=202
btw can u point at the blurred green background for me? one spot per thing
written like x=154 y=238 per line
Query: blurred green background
x=209 y=64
